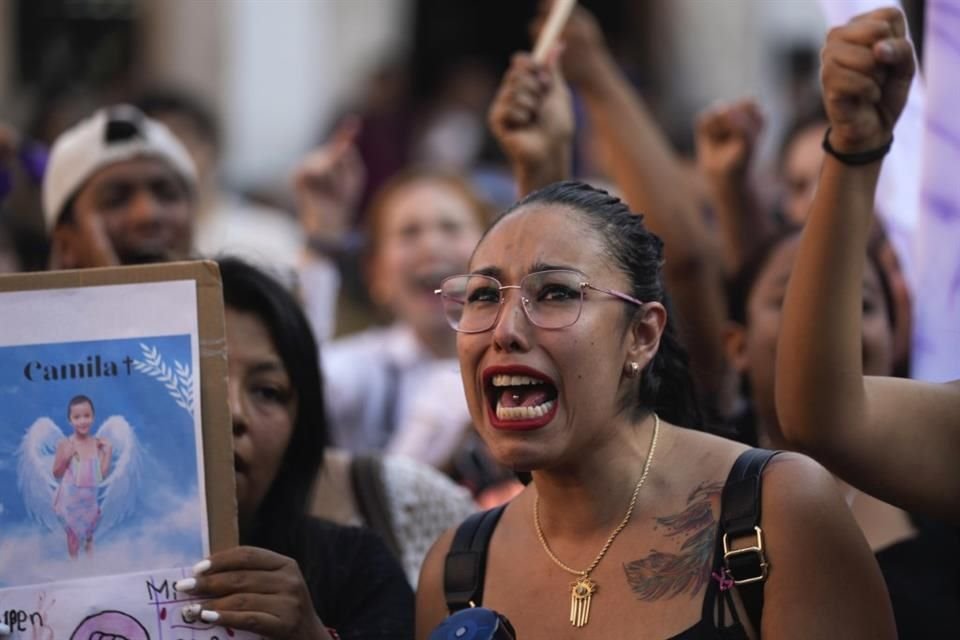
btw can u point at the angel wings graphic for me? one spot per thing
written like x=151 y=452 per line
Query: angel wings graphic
x=83 y=500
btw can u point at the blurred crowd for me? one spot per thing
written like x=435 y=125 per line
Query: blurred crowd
x=376 y=220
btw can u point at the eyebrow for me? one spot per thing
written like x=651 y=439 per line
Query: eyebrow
x=496 y=272
x=543 y=266
x=493 y=272
x=268 y=367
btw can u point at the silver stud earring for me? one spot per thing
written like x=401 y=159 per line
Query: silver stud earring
x=633 y=369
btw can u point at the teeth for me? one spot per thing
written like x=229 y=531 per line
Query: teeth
x=524 y=413
x=504 y=380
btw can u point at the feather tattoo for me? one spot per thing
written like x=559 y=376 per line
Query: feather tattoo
x=663 y=574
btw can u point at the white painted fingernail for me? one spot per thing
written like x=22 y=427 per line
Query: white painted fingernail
x=186 y=584
x=4 y=630
x=190 y=613
x=201 y=567
x=209 y=616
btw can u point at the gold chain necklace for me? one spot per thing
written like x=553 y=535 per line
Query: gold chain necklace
x=582 y=590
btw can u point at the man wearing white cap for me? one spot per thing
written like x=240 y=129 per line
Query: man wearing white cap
x=119 y=189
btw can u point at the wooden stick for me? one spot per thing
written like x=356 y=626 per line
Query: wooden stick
x=556 y=21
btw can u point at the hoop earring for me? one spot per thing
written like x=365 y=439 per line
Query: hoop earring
x=633 y=369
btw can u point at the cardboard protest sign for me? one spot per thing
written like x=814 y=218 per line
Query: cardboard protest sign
x=116 y=453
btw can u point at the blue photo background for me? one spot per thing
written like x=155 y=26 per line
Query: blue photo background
x=165 y=526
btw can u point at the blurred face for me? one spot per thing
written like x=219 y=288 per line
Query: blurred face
x=263 y=407
x=428 y=233
x=801 y=171
x=764 y=306
x=138 y=210
x=81 y=418
x=540 y=397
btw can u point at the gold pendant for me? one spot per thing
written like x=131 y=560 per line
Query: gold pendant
x=580 y=593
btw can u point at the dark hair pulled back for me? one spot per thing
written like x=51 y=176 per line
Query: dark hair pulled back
x=665 y=384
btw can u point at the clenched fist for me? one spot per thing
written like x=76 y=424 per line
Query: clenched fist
x=726 y=137
x=531 y=115
x=867 y=66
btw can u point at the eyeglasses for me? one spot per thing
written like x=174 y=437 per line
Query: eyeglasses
x=551 y=299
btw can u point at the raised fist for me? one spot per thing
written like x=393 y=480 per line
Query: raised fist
x=328 y=183
x=532 y=115
x=867 y=67
x=726 y=137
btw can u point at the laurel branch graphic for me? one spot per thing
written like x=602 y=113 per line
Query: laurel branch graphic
x=178 y=381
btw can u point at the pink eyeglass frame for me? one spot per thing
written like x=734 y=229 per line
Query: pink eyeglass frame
x=525 y=301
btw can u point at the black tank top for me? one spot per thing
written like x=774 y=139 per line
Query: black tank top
x=717 y=604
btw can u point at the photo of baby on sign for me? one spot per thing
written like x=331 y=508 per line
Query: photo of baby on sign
x=98 y=425
x=116 y=457
x=99 y=465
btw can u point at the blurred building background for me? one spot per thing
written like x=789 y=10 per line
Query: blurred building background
x=279 y=72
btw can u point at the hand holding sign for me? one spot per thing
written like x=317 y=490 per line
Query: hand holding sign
x=585 y=54
x=553 y=27
x=531 y=115
x=255 y=590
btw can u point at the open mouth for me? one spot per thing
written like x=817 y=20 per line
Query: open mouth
x=519 y=397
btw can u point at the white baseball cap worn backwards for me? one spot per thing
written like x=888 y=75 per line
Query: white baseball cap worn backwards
x=112 y=134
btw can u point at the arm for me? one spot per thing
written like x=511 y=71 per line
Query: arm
x=61 y=459
x=726 y=139
x=650 y=175
x=431 y=604
x=824 y=581
x=532 y=119
x=105 y=453
x=896 y=439
x=327 y=187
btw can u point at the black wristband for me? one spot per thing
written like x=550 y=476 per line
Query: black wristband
x=859 y=158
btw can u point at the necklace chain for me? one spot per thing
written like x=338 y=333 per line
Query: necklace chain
x=623 y=523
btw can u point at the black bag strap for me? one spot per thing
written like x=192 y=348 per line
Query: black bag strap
x=366 y=475
x=740 y=518
x=466 y=563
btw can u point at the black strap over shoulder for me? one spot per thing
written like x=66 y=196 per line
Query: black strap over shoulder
x=739 y=519
x=466 y=563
